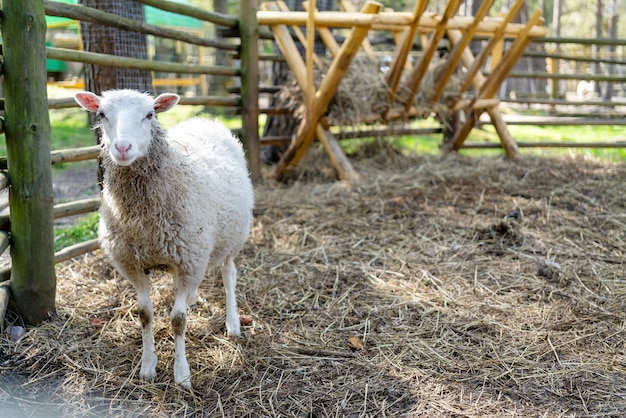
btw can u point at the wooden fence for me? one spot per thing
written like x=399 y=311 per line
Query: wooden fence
x=28 y=230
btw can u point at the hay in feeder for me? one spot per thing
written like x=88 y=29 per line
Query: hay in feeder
x=363 y=91
x=360 y=93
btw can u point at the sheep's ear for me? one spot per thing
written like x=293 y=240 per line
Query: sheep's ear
x=165 y=102
x=87 y=100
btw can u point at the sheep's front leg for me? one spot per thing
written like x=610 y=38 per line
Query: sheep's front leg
x=178 y=319
x=149 y=358
x=229 y=275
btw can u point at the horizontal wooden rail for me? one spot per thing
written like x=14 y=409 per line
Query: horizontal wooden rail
x=75 y=154
x=577 y=58
x=4 y=180
x=486 y=145
x=5 y=240
x=88 y=14
x=556 y=102
x=359 y=134
x=581 y=41
x=559 y=121
x=219 y=19
x=77 y=207
x=124 y=62
x=226 y=101
x=389 y=21
x=561 y=76
x=75 y=250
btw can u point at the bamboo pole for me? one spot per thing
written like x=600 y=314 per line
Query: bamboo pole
x=33 y=281
x=249 y=31
x=401 y=55
x=299 y=34
x=495 y=79
x=325 y=33
x=347 y=6
x=390 y=21
x=493 y=41
x=415 y=77
x=310 y=53
x=461 y=134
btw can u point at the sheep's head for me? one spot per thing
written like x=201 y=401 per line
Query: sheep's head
x=127 y=119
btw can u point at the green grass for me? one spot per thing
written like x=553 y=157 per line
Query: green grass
x=430 y=144
x=83 y=230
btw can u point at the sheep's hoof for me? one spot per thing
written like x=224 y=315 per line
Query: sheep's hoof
x=233 y=328
x=182 y=374
x=186 y=383
x=148 y=367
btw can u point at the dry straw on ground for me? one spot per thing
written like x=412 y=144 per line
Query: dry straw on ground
x=465 y=287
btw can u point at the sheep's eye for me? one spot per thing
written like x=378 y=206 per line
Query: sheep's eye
x=150 y=115
x=100 y=115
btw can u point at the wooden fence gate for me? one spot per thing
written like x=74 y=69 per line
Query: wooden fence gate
x=28 y=230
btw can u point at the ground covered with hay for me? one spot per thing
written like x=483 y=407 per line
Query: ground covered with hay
x=436 y=287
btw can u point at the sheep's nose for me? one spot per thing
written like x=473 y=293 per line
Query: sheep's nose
x=123 y=149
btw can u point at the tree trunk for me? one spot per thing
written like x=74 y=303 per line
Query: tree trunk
x=27 y=131
x=595 y=49
x=217 y=84
x=611 y=68
x=119 y=42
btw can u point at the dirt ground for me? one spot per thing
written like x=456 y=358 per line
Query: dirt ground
x=435 y=287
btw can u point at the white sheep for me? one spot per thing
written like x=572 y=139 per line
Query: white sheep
x=180 y=200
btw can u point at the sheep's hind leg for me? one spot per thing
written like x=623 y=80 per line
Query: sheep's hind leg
x=149 y=358
x=229 y=275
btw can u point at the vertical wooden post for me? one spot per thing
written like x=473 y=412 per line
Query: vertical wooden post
x=249 y=34
x=27 y=127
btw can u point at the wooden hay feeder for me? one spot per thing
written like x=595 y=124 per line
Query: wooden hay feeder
x=404 y=81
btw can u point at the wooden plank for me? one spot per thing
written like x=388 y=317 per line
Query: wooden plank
x=337 y=158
